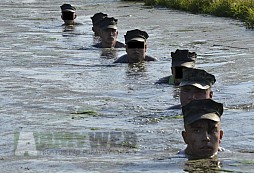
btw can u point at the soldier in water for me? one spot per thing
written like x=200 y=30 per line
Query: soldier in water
x=136 y=47
x=68 y=14
x=97 y=17
x=202 y=124
x=195 y=84
x=109 y=34
x=181 y=59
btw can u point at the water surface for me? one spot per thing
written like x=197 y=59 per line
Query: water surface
x=60 y=91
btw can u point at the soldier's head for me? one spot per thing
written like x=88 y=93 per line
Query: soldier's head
x=202 y=126
x=136 y=45
x=108 y=32
x=181 y=59
x=68 y=14
x=97 y=17
x=196 y=84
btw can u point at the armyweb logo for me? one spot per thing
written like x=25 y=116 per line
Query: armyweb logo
x=73 y=143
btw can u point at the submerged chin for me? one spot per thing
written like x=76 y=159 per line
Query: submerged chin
x=202 y=154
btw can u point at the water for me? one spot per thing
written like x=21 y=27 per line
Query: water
x=58 y=92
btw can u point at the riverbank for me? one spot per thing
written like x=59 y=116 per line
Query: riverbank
x=242 y=10
x=66 y=107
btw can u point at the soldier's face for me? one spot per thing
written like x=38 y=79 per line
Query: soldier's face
x=202 y=138
x=177 y=73
x=188 y=93
x=109 y=36
x=68 y=17
x=136 y=51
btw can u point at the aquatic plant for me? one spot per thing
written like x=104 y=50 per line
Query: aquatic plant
x=94 y=128
x=237 y=9
x=84 y=112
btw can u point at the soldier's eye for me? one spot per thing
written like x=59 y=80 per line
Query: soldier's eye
x=136 y=45
x=196 y=130
x=213 y=130
x=68 y=16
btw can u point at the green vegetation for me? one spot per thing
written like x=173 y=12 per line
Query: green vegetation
x=242 y=10
x=94 y=128
x=88 y=112
x=79 y=114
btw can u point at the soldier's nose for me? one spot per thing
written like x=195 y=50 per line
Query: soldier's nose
x=206 y=136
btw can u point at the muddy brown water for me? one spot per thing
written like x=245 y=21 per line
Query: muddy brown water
x=65 y=107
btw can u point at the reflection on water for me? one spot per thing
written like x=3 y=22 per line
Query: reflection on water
x=108 y=53
x=203 y=165
x=69 y=28
x=136 y=68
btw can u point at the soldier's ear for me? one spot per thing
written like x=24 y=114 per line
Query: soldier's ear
x=75 y=16
x=185 y=137
x=211 y=94
x=221 y=135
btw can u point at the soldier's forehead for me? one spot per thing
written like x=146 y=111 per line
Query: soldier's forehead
x=109 y=29
x=190 y=87
x=203 y=122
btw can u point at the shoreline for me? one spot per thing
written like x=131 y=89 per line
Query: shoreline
x=240 y=10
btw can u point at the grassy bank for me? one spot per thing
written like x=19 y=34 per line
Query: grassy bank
x=237 y=9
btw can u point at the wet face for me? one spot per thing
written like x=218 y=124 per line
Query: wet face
x=202 y=138
x=108 y=37
x=68 y=17
x=188 y=93
x=136 y=51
